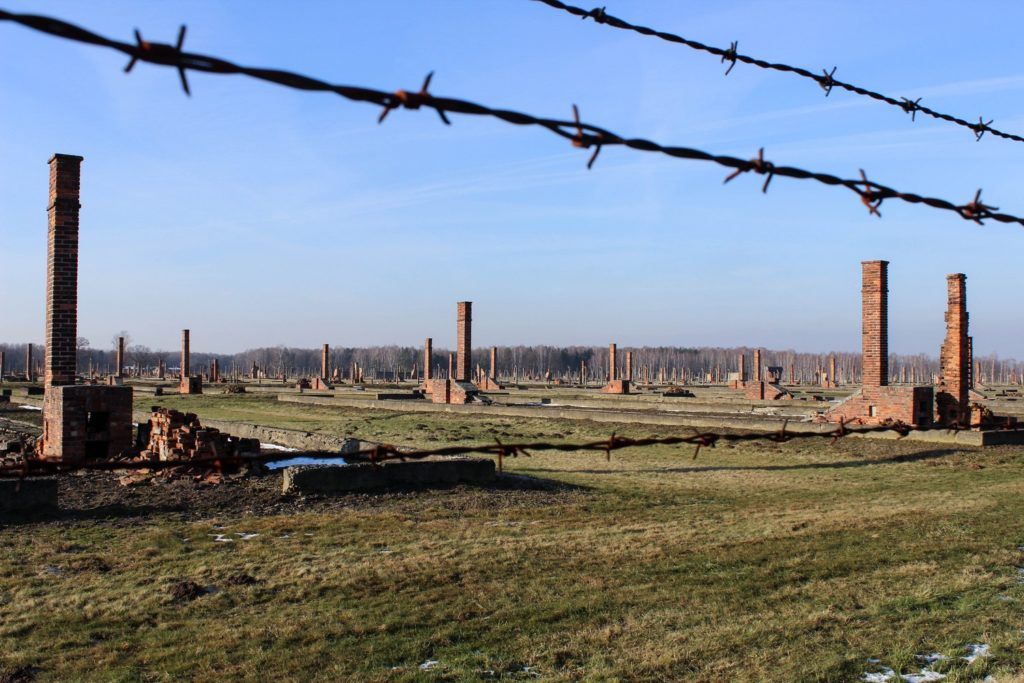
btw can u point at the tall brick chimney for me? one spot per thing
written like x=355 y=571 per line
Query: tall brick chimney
x=464 y=343
x=757 y=365
x=120 y=358
x=62 y=270
x=186 y=367
x=613 y=368
x=629 y=365
x=494 y=363
x=743 y=367
x=832 y=376
x=875 y=322
x=428 y=359
x=325 y=363
x=952 y=400
x=451 y=365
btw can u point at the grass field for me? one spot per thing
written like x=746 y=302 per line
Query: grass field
x=779 y=562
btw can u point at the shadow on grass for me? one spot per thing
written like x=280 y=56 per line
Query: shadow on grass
x=256 y=495
x=896 y=459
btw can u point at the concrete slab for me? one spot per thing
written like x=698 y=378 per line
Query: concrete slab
x=365 y=476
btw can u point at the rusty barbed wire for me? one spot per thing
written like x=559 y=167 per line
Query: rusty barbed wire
x=580 y=134
x=381 y=453
x=826 y=79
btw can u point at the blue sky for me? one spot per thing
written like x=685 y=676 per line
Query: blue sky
x=257 y=215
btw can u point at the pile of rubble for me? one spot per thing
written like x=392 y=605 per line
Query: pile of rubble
x=174 y=435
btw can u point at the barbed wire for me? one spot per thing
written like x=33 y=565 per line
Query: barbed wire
x=381 y=453
x=826 y=79
x=580 y=134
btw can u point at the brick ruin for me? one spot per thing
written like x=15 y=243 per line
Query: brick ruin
x=174 y=435
x=489 y=381
x=952 y=400
x=323 y=382
x=80 y=421
x=615 y=385
x=190 y=384
x=763 y=387
x=459 y=389
x=877 y=402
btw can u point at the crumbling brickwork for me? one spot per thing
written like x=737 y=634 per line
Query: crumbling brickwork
x=757 y=365
x=177 y=436
x=325 y=362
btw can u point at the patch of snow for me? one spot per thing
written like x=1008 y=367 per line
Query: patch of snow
x=923 y=676
x=30 y=408
x=278 y=464
x=245 y=536
x=429 y=664
x=975 y=650
x=932 y=658
x=221 y=538
x=886 y=674
x=275 y=447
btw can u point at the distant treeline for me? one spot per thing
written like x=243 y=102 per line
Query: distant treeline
x=523 y=362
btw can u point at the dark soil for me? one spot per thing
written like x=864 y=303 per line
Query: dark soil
x=98 y=495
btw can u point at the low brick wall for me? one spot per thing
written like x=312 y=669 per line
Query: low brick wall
x=365 y=476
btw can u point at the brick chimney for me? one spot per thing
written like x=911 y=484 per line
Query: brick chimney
x=186 y=366
x=464 y=343
x=428 y=359
x=62 y=270
x=494 y=363
x=952 y=399
x=875 y=322
x=757 y=365
x=629 y=365
x=743 y=367
x=612 y=363
x=325 y=363
x=119 y=372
